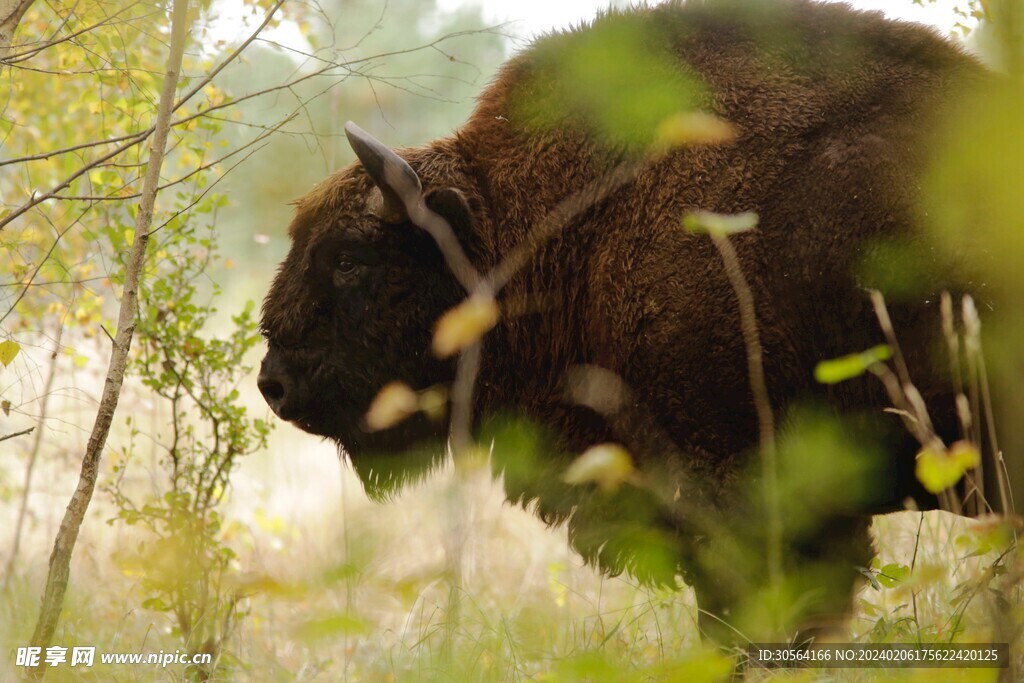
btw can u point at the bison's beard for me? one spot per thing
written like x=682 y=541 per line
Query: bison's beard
x=386 y=461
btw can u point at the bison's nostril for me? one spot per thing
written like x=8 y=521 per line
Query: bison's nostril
x=286 y=395
x=272 y=389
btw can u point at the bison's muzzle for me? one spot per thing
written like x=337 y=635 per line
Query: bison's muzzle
x=286 y=393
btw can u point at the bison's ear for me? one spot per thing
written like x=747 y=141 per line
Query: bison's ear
x=389 y=172
x=451 y=204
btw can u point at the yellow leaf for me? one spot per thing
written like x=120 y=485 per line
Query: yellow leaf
x=395 y=402
x=720 y=224
x=608 y=465
x=938 y=469
x=8 y=350
x=965 y=455
x=464 y=325
x=433 y=402
x=693 y=128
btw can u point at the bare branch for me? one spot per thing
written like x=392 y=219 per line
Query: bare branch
x=135 y=137
x=559 y=217
x=16 y=434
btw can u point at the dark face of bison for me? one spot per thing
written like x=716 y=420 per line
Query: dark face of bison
x=353 y=307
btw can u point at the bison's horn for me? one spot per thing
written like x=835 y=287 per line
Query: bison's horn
x=392 y=175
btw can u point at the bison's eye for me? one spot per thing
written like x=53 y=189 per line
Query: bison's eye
x=343 y=271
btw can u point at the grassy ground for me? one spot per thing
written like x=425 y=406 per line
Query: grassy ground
x=434 y=587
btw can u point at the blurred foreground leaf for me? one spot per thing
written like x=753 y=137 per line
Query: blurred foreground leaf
x=973 y=190
x=854 y=365
x=939 y=469
x=464 y=325
x=693 y=128
x=719 y=224
x=392 y=404
x=607 y=465
x=618 y=80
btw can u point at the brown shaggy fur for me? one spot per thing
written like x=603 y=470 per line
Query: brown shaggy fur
x=831 y=107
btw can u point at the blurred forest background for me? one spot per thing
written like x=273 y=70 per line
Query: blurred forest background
x=211 y=530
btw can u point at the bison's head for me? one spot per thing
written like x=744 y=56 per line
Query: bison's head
x=355 y=301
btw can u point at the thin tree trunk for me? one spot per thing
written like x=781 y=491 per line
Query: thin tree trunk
x=11 y=12
x=64 y=544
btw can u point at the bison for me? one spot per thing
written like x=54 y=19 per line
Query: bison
x=830 y=111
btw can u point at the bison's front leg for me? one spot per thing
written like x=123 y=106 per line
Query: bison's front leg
x=739 y=603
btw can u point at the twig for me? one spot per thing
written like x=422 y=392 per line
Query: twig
x=762 y=402
x=462 y=399
x=16 y=434
x=556 y=220
x=73 y=148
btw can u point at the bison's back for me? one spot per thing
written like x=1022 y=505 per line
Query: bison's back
x=832 y=108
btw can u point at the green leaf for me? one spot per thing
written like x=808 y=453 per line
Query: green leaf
x=8 y=351
x=853 y=365
x=893 y=574
x=582 y=78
